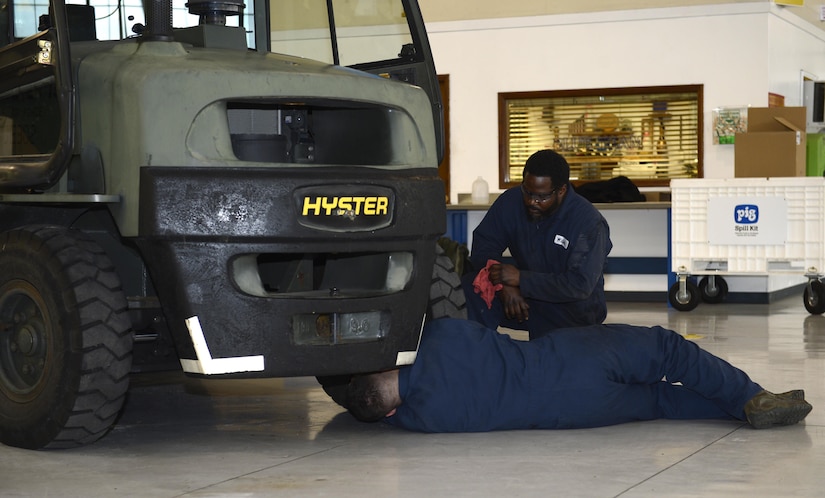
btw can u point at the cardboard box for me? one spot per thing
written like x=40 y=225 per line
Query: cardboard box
x=776 y=100
x=773 y=146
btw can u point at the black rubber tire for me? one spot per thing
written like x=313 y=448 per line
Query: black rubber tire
x=717 y=295
x=65 y=339
x=693 y=297
x=446 y=301
x=447 y=298
x=814 y=299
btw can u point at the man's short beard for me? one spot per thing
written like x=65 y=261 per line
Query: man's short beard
x=534 y=216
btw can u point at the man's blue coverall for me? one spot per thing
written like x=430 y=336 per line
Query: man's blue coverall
x=561 y=261
x=469 y=378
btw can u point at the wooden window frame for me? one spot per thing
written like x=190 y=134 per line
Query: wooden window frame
x=505 y=180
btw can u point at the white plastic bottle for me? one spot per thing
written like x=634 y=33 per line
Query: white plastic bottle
x=481 y=191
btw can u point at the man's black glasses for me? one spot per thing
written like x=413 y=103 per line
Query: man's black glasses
x=538 y=197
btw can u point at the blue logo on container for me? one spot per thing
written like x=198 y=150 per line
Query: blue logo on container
x=746 y=214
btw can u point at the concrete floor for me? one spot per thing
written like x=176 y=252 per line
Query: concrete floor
x=284 y=437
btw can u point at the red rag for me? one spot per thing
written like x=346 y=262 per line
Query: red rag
x=483 y=286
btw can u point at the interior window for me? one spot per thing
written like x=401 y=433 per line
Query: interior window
x=650 y=134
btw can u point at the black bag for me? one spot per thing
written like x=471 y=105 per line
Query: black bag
x=617 y=189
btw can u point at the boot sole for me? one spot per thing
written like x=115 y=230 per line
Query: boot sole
x=780 y=415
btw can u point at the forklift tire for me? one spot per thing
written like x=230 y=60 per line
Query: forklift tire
x=446 y=301
x=65 y=339
x=446 y=295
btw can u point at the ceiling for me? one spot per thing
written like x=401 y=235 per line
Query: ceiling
x=462 y=10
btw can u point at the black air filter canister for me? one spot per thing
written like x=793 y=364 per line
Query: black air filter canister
x=158 y=20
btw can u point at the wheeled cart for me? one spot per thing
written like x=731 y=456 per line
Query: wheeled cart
x=746 y=226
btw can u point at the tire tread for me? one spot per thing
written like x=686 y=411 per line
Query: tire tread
x=105 y=334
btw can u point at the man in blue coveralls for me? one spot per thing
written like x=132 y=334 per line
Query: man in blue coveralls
x=559 y=243
x=469 y=378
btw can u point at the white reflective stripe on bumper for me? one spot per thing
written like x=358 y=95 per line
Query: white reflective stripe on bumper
x=207 y=365
x=405 y=358
x=408 y=357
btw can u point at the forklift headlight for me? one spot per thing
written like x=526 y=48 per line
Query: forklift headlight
x=399 y=271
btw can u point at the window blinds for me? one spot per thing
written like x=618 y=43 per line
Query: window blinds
x=644 y=136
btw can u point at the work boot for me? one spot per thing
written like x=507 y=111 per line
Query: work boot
x=766 y=409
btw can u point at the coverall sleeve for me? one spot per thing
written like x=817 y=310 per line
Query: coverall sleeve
x=490 y=238
x=584 y=270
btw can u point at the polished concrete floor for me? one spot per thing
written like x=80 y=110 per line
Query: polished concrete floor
x=188 y=438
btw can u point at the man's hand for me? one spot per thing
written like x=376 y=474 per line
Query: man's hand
x=515 y=307
x=504 y=274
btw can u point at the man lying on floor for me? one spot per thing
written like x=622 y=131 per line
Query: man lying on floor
x=468 y=378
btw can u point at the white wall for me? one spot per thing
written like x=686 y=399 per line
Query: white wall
x=739 y=52
x=794 y=47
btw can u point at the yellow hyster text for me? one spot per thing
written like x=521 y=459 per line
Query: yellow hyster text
x=328 y=206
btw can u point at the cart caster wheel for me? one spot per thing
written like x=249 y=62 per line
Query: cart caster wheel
x=715 y=294
x=686 y=301
x=814 y=297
